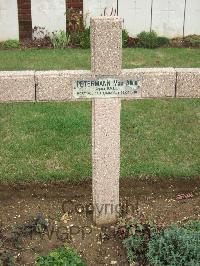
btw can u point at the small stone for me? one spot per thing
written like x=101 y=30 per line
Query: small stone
x=113 y=262
x=65 y=218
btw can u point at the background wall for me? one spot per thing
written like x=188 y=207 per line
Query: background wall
x=92 y=8
x=49 y=14
x=9 y=27
x=192 y=17
x=167 y=17
x=136 y=15
x=170 y=18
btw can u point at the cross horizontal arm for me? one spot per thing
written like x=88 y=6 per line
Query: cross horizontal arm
x=58 y=85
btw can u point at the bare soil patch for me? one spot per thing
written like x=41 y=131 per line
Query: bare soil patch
x=66 y=208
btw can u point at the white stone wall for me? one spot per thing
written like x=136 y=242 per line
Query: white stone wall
x=9 y=27
x=136 y=15
x=49 y=14
x=93 y=8
x=192 y=19
x=168 y=17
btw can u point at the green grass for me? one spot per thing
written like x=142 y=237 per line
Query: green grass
x=45 y=141
x=80 y=59
x=52 y=141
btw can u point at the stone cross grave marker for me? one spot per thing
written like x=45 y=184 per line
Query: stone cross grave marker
x=106 y=90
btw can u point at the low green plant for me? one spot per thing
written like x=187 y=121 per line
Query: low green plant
x=193 y=40
x=148 y=244
x=11 y=44
x=137 y=235
x=175 y=246
x=75 y=39
x=85 y=38
x=7 y=258
x=148 y=39
x=60 y=40
x=193 y=226
x=60 y=257
x=163 y=41
x=134 y=246
x=125 y=37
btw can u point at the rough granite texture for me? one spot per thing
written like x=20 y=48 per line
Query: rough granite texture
x=106 y=159
x=17 y=86
x=58 y=85
x=106 y=60
x=106 y=45
x=154 y=82
x=188 y=82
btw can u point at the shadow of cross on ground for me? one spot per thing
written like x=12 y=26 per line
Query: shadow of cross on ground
x=106 y=85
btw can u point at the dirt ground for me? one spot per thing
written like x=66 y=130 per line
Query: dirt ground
x=66 y=211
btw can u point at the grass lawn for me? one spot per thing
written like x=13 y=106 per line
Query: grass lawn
x=52 y=141
x=80 y=59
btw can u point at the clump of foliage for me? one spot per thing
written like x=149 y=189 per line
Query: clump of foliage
x=163 y=41
x=41 y=39
x=193 y=226
x=136 y=237
x=7 y=258
x=75 y=21
x=36 y=225
x=11 y=44
x=149 y=244
x=60 y=257
x=125 y=38
x=80 y=34
x=175 y=246
x=148 y=39
x=60 y=40
x=192 y=41
x=132 y=42
x=85 y=38
x=76 y=28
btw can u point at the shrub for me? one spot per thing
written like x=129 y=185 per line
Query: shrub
x=75 y=20
x=148 y=39
x=148 y=244
x=75 y=38
x=11 y=44
x=125 y=38
x=193 y=226
x=135 y=246
x=163 y=41
x=175 y=246
x=85 y=38
x=7 y=258
x=192 y=40
x=60 y=257
x=137 y=237
x=132 y=42
x=60 y=40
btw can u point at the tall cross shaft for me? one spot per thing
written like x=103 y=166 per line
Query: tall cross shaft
x=106 y=41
